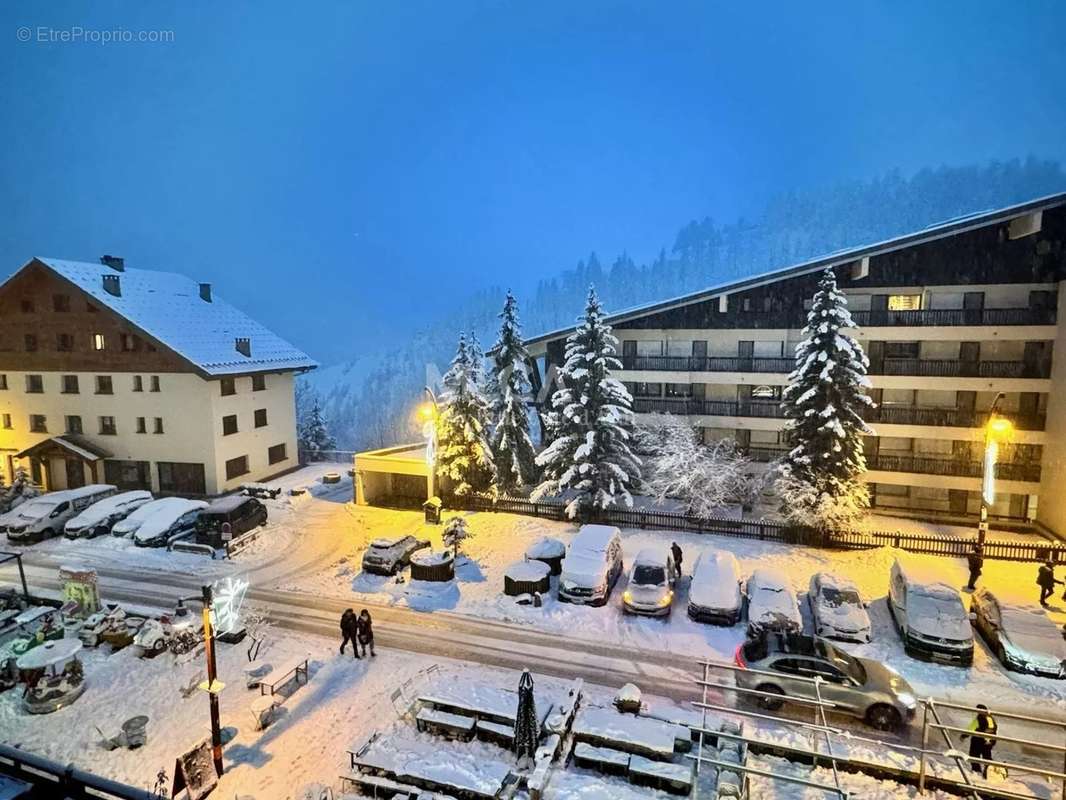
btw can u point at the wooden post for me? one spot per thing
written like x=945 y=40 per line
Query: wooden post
x=212 y=675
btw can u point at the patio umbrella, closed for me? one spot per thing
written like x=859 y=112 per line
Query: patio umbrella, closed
x=526 y=728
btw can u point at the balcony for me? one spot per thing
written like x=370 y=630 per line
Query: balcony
x=955 y=316
x=709 y=363
x=964 y=468
x=712 y=408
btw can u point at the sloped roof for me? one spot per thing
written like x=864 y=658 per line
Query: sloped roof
x=168 y=307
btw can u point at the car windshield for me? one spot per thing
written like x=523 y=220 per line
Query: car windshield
x=840 y=597
x=648 y=575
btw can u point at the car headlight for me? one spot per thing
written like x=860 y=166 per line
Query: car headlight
x=907 y=699
x=665 y=600
x=627 y=596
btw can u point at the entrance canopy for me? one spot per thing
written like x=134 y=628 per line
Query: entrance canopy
x=394 y=476
x=68 y=446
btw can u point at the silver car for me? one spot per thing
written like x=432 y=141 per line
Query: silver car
x=861 y=687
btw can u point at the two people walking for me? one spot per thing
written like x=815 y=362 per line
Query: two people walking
x=359 y=630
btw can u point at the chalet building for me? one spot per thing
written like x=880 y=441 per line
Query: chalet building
x=141 y=379
x=949 y=316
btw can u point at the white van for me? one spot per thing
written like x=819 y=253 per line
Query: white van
x=98 y=518
x=44 y=517
x=592 y=565
x=929 y=615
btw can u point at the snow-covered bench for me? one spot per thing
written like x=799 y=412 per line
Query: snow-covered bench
x=377 y=786
x=293 y=670
x=602 y=759
x=676 y=778
x=445 y=723
x=494 y=732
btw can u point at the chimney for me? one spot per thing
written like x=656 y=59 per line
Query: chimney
x=112 y=285
x=244 y=346
x=116 y=263
x=205 y=292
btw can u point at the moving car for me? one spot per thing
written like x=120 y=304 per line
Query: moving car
x=651 y=583
x=837 y=608
x=240 y=512
x=44 y=517
x=929 y=615
x=389 y=556
x=861 y=687
x=592 y=565
x=98 y=518
x=1020 y=634
x=714 y=594
x=771 y=603
x=170 y=518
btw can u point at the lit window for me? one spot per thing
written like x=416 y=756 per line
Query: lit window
x=765 y=392
x=904 y=302
x=98 y=341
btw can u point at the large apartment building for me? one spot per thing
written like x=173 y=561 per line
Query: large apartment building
x=950 y=317
x=139 y=378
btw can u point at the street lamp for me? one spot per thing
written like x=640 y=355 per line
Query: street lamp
x=997 y=430
x=428 y=413
x=212 y=685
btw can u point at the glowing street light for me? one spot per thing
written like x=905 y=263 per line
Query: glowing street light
x=428 y=412
x=998 y=430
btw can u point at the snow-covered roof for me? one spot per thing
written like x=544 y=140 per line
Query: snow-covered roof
x=168 y=307
x=594 y=538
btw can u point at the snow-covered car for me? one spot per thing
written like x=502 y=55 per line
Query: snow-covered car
x=929 y=615
x=592 y=565
x=837 y=608
x=771 y=603
x=98 y=518
x=44 y=516
x=1021 y=635
x=389 y=556
x=171 y=517
x=650 y=591
x=126 y=527
x=714 y=594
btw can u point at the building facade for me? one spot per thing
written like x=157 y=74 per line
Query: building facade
x=950 y=317
x=139 y=378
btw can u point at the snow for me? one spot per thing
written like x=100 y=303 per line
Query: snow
x=625 y=731
x=433 y=559
x=165 y=512
x=546 y=547
x=98 y=512
x=527 y=571
x=716 y=581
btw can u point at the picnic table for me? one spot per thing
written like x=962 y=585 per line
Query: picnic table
x=676 y=778
x=640 y=736
x=483 y=702
x=602 y=759
x=277 y=678
x=496 y=733
x=444 y=723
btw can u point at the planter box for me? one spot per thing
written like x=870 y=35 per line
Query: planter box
x=526 y=577
x=436 y=567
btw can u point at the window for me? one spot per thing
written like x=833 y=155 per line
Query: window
x=34 y=384
x=259 y=383
x=181 y=478
x=158 y=425
x=260 y=417
x=7 y=421
x=107 y=426
x=229 y=424
x=647 y=390
x=904 y=302
x=766 y=393
x=38 y=423
x=679 y=390
x=64 y=342
x=228 y=386
x=74 y=424
x=276 y=454
x=26 y=305
x=154 y=383
x=901 y=349
x=3 y=380
x=70 y=384
x=103 y=384
x=129 y=344
x=98 y=341
x=61 y=302
x=747 y=304
x=236 y=467
x=140 y=425
x=138 y=383
x=31 y=342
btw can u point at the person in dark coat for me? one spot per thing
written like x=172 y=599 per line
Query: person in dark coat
x=349 y=630
x=980 y=745
x=366 y=632
x=1045 y=579
x=676 y=552
x=975 y=561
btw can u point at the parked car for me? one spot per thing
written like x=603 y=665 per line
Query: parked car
x=714 y=594
x=240 y=512
x=98 y=518
x=837 y=608
x=650 y=591
x=771 y=603
x=44 y=517
x=171 y=517
x=1020 y=634
x=389 y=556
x=861 y=687
x=592 y=565
x=129 y=525
x=929 y=615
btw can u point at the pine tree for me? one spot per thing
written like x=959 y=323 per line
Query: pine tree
x=316 y=439
x=824 y=402
x=590 y=423
x=509 y=388
x=464 y=458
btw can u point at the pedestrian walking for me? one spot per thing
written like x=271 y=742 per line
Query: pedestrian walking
x=675 y=550
x=366 y=632
x=982 y=739
x=1045 y=579
x=975 y=561
x=349 y=629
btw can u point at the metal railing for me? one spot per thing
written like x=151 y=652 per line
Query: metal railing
x=963 y=468
x=713 y=408
x=955 y=316
x=709 y=363
x=58 y=780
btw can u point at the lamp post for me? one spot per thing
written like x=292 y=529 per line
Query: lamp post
x=428 y=413
x=997 y=430
x=212 y=685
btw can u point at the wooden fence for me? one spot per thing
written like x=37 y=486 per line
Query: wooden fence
x=1033 y=550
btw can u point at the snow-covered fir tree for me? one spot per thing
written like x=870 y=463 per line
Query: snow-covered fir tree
x=315 y=438
x=509 y=388
x=477 y=362
x=455 y=533
x=590 y=423
x=464 y=459
x=824 y=401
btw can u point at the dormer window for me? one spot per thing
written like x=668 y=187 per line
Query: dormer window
x=98 y=341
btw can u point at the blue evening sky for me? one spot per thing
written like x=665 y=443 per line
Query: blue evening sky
x=341 y=169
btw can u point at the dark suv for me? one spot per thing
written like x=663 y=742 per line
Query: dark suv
x=232 y=515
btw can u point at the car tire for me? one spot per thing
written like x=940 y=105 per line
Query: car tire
x=159 y=645
x=883 y=717
x=770 y=703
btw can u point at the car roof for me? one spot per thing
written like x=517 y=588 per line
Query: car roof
x=834 y=581
x=594 y=537
x=651 y=557
x=224 y=505
x=770 y=578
